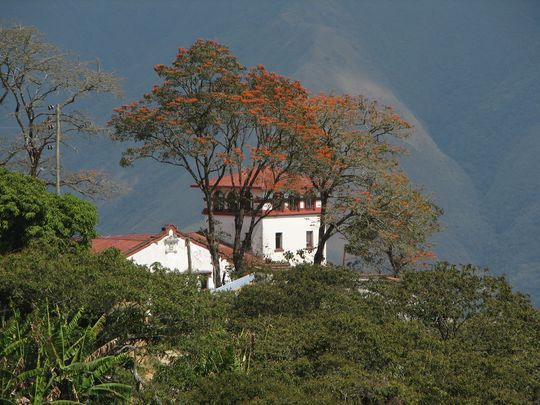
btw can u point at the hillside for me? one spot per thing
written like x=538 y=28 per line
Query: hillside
x=466 y=74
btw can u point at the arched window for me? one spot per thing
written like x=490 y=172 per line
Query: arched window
x=293 y=202
x=309 y=201
x=219 y=201
x=277 y=201
x=232 y=201
x=247 y=201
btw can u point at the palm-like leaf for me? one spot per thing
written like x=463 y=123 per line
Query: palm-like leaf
x=57 y=359
x=115 y=389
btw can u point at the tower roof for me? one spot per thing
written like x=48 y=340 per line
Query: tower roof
x=266 y=180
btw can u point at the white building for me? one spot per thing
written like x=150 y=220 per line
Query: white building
x=286 y=232
x=170 y=248
x=289 y=225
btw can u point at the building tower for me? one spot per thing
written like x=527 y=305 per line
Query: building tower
x=289 y=224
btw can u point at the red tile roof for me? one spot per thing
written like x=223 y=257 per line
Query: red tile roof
x=265 y=181
x=124 y=243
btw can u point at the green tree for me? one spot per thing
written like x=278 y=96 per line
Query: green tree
x=212 y=118
x=50 y=358
x=334 y=335
x=148 y=312
x=107 y=283
x=348 y=153
x=391 y=225
x=28 y=211
x=34 y=74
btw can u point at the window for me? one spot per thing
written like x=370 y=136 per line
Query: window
x=279 y=241
x=309 y=201
x=309 y=239
x=292 y=200
x=219 y=201
x=232 y=201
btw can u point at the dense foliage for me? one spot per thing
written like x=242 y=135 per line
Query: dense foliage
x=137 y=312
x=28 y=212
x=445 y=335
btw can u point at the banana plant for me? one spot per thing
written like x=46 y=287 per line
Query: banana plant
x=52 y=359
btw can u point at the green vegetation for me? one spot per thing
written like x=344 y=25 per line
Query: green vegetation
x=79 y=327
x=29 y=212
x=97 y=328
x=445 y=335
x=49 y=358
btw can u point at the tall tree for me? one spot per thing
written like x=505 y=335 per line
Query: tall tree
x=392 y=224
x=33 y=75
x=348 y=153
x=188 y=121
x=213 y=118
x=273 y=115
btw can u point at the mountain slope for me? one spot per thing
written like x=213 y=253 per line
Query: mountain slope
x=465 y=74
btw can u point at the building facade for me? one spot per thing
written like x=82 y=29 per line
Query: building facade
x=171 y=249
x=287 y=226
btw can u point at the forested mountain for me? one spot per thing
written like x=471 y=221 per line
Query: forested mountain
x=464 y=73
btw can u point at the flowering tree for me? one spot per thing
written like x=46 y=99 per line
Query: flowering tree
x=214 y=118
x=267 y=149
x=392 y=223
x=188 y=121
x=350 y=152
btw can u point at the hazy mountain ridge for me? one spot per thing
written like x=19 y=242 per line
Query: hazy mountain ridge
x=465 y=74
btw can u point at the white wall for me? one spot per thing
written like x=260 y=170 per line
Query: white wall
x=226 y=227
x=294 y=230
x=293 y=227
x=177 y=259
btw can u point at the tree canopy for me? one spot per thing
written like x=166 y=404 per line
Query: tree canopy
x=445 y=335
x=212 y=117
x=29 y=212
x=448 y=334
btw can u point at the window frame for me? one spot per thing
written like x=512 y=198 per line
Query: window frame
x=309 y=240
x=278 y=242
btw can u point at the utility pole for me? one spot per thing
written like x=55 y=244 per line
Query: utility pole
x=56 y=109
x=58 y=149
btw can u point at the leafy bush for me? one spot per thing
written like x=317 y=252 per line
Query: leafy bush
x=446 y=335
x=50 y=358
x=28 y=212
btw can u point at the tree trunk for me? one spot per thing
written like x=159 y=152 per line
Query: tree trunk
x=322 y=237
x=319 y=255
x=238 y=252
x=394 y=262
x=213 y=246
